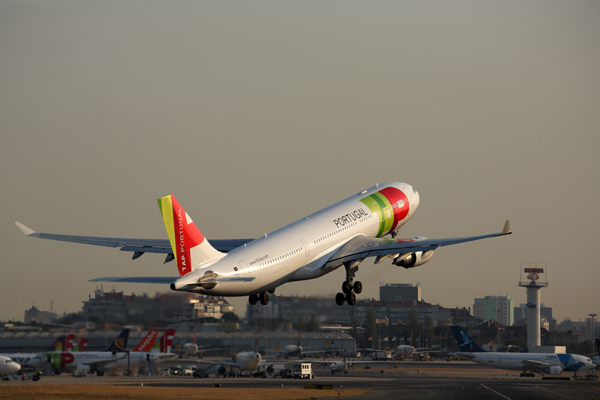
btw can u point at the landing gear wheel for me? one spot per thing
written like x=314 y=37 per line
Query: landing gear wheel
x=340 y=299
x=346 y=287
x=264 y=298
x=351 y=299
x=253 y=299
x=357 y=287
x=272 y=291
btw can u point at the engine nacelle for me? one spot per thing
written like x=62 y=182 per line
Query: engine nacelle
x=270 y=369
x=552 y=370
x=222 y=370
x=410 y=260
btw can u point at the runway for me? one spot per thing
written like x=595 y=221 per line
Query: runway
x=439 y=380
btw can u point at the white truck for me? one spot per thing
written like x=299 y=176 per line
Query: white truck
x=301 y=370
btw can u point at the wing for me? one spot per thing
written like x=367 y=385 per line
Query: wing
x=125 y=244
x=465 y=356
x=362 y=247
x=534 y=364
x=102 y=364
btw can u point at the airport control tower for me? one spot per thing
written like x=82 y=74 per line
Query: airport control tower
x=533 y=285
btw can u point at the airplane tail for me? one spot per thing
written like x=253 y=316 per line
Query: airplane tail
x=464 y=341
x=166 y=341
x=58 y=345
x=120 y=342
x=190 y=247
x=147 y=342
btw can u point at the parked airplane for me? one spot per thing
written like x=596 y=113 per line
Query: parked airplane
x=24 y=358
x=342 y=366
x=345 y=233
x=8 y=366
x=542 y=363
x=84 y=362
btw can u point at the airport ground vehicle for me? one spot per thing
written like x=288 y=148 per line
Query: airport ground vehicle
x=301 y=371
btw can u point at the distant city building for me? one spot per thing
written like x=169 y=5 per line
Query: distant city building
x=118 y=308
x=497 y=308
x=399 y=292
x=36 y=315
x=463 y=317
x=582 y=329
x=545 y=312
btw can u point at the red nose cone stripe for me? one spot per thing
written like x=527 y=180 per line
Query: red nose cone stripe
x=394 y=196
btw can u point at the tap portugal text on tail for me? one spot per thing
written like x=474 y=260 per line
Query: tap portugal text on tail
x=344 y=234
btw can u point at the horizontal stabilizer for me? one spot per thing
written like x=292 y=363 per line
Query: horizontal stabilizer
x=137 y=279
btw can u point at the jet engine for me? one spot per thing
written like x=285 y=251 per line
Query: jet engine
x=222 y=370
x=410 y=260
x=270 y=369
x=552 y=370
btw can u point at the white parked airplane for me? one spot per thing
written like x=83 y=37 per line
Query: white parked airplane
x=246 y=361
x=8 y=366
x=113 y=357
x=343 y=234
x=342 y=366
x=543 y=363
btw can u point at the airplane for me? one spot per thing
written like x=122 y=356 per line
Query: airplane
x=542 y=363
x=8 y=366
x=99 y=361
x=344 y=234
x=342 y=366
x=24 y=358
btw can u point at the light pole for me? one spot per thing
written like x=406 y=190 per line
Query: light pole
x=593 y=344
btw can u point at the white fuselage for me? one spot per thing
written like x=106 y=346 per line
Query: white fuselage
x=73 y=360
x=20 y=358
x=518 y=361
x=8 y=366
x=297 y=251
x=338 y=366
x=247 y=361
x=404 y=350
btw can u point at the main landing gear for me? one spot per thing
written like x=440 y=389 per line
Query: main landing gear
x=263 y=297
x=348 y=289
x=526 y=374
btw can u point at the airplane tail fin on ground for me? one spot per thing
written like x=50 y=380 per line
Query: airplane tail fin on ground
x=120 y=343
x=58 y=344
x=464 y=341
x=147 y=342
x=166 y=341
x=190 y=247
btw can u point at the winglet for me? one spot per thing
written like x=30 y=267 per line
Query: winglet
x=27 y=231
x=506 y=229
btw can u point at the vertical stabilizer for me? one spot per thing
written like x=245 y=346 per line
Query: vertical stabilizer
x=166 y=341
x=464 y=341
x=120 y=343
x=190 y=247
x=147 y=342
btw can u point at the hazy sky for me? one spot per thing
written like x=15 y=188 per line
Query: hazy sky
x=255 y=114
